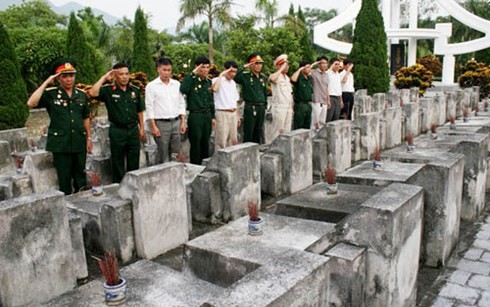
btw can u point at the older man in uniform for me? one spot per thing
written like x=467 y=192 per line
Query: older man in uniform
x=125 y=111
x=197 y=88
x=69 y=129
x=254 y=92
x=303 y=95
x=282 y=98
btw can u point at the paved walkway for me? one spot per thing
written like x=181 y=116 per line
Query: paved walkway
x=469 y=284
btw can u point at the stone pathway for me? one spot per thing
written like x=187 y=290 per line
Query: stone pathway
x=469 y=284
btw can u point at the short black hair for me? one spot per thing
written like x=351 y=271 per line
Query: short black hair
x=322 y=57
x=304 y=63
x=201 y=60
x=348 y=61
x=334 y=60
x=120 y=65
x=163 y=61
x=229 y=64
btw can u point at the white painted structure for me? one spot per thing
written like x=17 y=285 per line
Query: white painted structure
x=391 y=16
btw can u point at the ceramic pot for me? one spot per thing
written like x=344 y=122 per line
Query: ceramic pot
x=377 y=165
x=331 y=188
x=255 y=227
x=115 y=295
x=97 y=190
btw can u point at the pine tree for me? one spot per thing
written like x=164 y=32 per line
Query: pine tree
x=369 y=50
x=305 y=39
x=142 y=59
x=13 y=94
x=83 y=54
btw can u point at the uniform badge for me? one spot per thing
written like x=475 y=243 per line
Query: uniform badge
x=195 y=89
x=133 y=95
x=64 y=103
x=59 y=96
x=199 y=85
x=114 y=87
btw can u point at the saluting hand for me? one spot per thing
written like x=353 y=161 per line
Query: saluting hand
x=197 y=68
x=51 y=78
x=247 y=65
x=315 y=64
x=109 y=75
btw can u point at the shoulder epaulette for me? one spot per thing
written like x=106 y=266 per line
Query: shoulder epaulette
x=108 y=84
x=134 y=86
x=51 y=88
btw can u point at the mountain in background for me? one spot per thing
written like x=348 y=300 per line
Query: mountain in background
x=65 y=9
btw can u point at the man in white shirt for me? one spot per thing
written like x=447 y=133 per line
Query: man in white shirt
x=282 y=98
x=335 y=91
x=225 y=104
x=165 y=111
x=347 y=79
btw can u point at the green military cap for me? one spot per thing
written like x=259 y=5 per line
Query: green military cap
x=64 y=66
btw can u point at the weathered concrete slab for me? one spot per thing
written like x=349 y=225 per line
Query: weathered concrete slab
x=389 y=224
x=17 y=139
x=76 y=235
x=363 y=174
x=206 y=198
x=271 y=173
x=442 y=180
x=338 y=137
x=356 y=145
x=393 y=118
x=39 y=165
x=239 y=176
x=313 y=203
x=6 y=161
x=149 y=284
x=368 y=123
x=347 y=275
x=475 y=149
x=273 y=265
x=295 y=147
x=319 y=154
x=159 y=210
x=35 y=244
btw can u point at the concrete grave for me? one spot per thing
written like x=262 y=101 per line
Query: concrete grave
x=411 y=119
x=273 y=265
x=356 y=145
x=158 y=195
x=6 y=161
x=442 y=180
x=393 y=98
x=313 y=203
x=414 y=95
x=451 y=105
x=440 y=109
x=17 y=139
x=30 y=272
x=295 y=147
x=368 y=124
x=76 y=236
x=428 y=113
x=405 y=96
x=379 y=102
x=271 y=173
x=393 y=119
x=389 y=224
x=39 y=165
x=319 y=154
x=347 y=275
x=338 y=135
x=239 y=174
x=383 y=125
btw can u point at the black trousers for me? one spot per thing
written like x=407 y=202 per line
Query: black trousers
x=348 y=98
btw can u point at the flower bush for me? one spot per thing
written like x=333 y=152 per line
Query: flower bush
x=432 y=63
x=476 y=74
x=414 y=76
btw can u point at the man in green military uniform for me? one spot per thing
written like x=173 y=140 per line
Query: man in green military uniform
x=303 y=95
x=200 y=104
x=254 y=92
x=125 y=111
x=69 y=128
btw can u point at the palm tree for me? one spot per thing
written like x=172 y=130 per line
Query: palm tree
x=269 y=7
x=213 y=10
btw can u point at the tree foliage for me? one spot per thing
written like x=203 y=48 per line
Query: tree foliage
x=13 y=95
x=88 y=64
x=213 y=10
x=142 y=59
x=183 y=56
x=369 y=50
x=35 y=13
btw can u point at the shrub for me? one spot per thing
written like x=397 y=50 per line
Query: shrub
x=476 y=74
x=13 y=93
x=432 y=63
x=414 y=76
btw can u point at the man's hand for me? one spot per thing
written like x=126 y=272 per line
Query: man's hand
x=247 y=65
x=213 y=123
x=51 y=78
x=155 y=131
x=182 y=127
x=141 y=134
x=196 y=69
x=315 y=64
x=329 y=104
x=238 y=121
x=224 y=72
x=89 y=145
x=109 y=75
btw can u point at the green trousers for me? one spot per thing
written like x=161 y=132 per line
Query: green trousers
x=199 y=134
x=125 y=151
x=70 y=168
x=302 y=116
x=253 y=123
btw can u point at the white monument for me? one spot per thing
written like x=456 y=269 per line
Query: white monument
x=391 y=16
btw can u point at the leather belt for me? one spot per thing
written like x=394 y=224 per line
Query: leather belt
x=128 y=126
x=200 y=111
x=227 y=110
x=167 y=119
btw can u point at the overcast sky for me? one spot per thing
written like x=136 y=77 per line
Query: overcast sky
x=165 y=13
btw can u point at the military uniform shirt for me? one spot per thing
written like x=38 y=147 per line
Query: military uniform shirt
x=122 y=106
x=66 y=133
x=303 y=89
x=253 y=88
x=198 y=92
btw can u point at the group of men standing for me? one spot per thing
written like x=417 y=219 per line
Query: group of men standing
x=318 y=97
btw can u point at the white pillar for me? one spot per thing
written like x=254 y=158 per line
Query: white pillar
x=386 y=8
x=412 y=51
x=414 y=14
x=448 y=65
x=395 y=18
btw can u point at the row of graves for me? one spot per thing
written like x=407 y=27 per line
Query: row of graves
x=360 y=244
